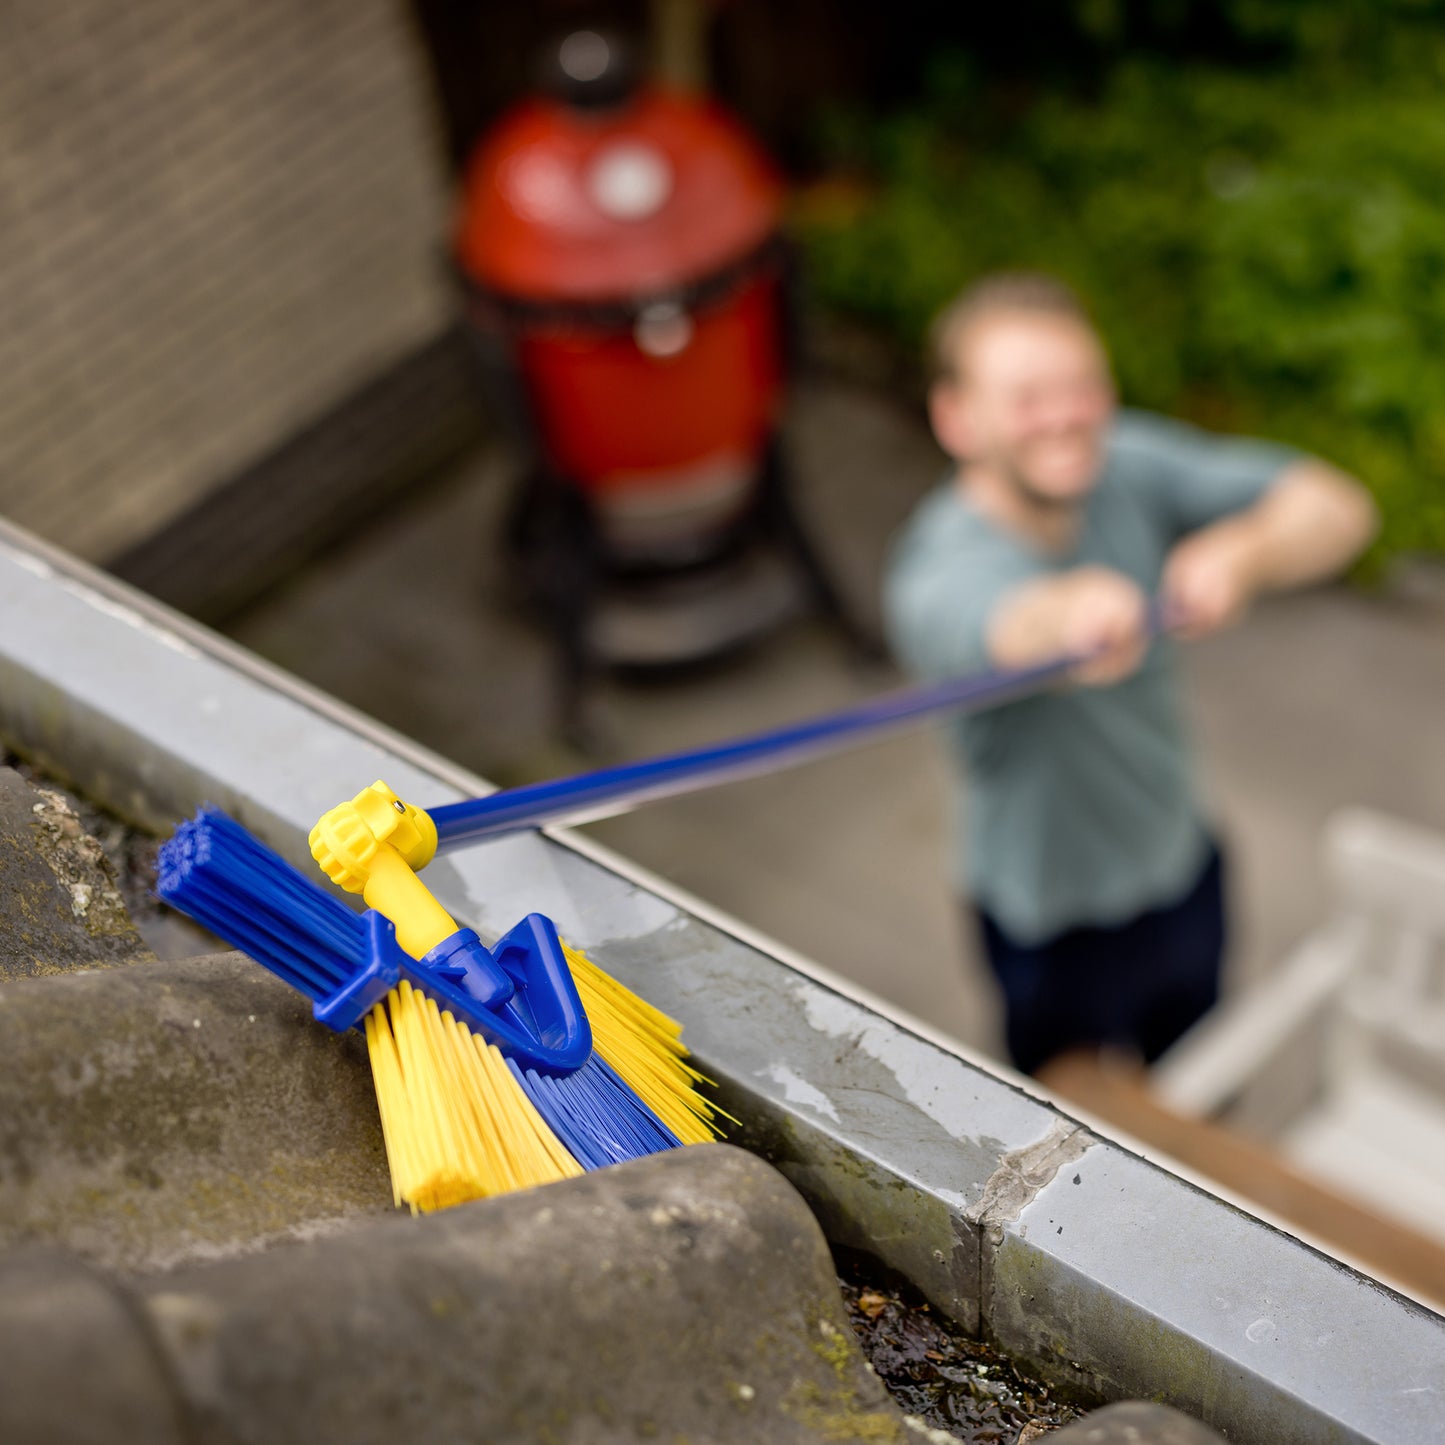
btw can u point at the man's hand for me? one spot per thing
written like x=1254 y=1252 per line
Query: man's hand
x=1104 y=618
x=1091 y=612
x=1209 y=580
x=1310 y=524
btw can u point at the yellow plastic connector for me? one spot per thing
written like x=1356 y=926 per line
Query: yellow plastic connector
x=373 y=846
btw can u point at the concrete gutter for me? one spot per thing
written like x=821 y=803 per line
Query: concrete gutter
x=1099 y=1270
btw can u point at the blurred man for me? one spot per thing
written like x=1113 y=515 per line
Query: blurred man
x=1089 y=861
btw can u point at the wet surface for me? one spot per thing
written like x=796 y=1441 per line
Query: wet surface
x=948 y=1380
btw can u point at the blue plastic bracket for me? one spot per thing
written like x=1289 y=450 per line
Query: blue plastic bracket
x=381 y=973
x=522 y=998
x=462 y=959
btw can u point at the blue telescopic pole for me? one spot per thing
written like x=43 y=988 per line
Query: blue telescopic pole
x=609 y=791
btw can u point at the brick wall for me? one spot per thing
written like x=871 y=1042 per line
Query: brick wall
x=216 y=219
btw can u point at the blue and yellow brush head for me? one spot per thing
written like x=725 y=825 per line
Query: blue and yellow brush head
x=519 y=1098
x=519 y=996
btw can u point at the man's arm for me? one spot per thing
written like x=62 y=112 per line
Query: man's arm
x=1311 y=524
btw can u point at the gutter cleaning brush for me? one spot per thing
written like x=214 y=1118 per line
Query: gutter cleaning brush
x=488 y=1072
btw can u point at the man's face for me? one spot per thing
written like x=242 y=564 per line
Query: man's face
x=1031 y=398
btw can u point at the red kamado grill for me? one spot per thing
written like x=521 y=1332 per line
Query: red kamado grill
x=626 y=283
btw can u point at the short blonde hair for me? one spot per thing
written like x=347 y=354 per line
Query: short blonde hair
x=996 y=294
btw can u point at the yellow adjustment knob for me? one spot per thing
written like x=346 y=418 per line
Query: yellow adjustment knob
x=408 y=829
x=345 y=840
x=344 y=845
x=414 y=835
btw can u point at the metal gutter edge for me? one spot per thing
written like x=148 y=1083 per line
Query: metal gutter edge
x=1105 y=1271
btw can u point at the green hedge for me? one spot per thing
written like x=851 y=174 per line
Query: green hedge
x=1265 y=253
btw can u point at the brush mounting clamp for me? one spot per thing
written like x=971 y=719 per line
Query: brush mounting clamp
x=519 y=995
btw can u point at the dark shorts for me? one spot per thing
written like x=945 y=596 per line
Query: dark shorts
x=1137 y=986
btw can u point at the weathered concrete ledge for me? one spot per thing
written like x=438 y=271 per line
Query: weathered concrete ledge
x=685 y=1297
x=78 y=1364
x=58 y=897
x=1134 y=1422
x=174 y=1110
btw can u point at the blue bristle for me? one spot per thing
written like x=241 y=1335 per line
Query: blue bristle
x=232 y=884
x=596 y=1114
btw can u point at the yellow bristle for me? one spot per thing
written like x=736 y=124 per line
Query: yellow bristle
x=433 y=1137
x=457 y=1124
x=461 y=1170
x=390 y=1098
x=645 y=1047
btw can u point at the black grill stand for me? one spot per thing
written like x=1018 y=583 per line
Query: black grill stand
x=559 y=560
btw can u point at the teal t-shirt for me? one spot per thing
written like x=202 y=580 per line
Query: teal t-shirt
x=1082 y=807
